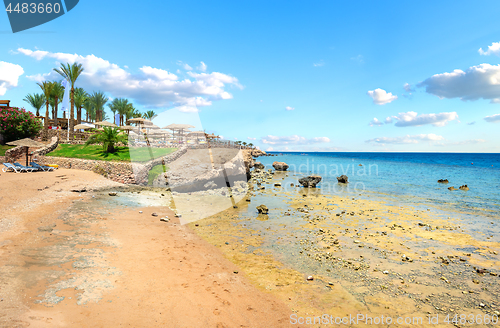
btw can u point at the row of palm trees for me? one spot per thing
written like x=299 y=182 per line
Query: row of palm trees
x=93 y=104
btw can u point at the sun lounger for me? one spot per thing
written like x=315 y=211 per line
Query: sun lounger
x=42 y=167
x=12 y=168
x=26 y=168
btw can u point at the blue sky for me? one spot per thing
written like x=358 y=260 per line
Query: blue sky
x=284 y=75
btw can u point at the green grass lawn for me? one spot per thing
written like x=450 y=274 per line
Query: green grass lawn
x=3 y=149
x=95 y=152
x=158 y=169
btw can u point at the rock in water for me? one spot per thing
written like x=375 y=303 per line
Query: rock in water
x=258 y=165
x=310 y=181
x=452 y=188
x=112 y=193
x=342 y=179
x=464 y=187
x=443 y=180
x=262 y=209
x=280 y=166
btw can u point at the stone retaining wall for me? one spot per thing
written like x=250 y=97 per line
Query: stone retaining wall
x=123 y=172
x=47 y=149
x=13 y=154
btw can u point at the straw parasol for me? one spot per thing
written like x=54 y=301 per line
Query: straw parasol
x=137 y=120
x=82 y=127
x=26 y=142
x=179 y=127
x=105 y=123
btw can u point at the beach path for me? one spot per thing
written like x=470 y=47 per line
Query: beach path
x=67 y=263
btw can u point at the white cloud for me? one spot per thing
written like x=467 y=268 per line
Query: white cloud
x=408 y=139
x=408 y=87
x=375 y=121
x=292 y=140
x=289 y=108
x=319 y=64
x=359 y=59
x=413 y=119
x=202 y=67
x=184 y=65
x=461 y=143
x=9 y=76
x=492 y=118
x=494 y=49
x=482 y=81
x=150 y=87
x=381 y=97
x=269 y=149
x=250 y=138
x=388 y=120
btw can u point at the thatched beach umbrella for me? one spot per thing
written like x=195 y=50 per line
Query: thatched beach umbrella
x=178 y=127
x=105 y=123
x=127 y=128
x=82 y=127
x=26 y=142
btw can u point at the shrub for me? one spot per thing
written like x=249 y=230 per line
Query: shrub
x=17 y=123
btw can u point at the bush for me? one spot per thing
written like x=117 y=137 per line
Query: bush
x=17 y=123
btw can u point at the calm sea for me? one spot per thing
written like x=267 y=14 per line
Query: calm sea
x=405 y=177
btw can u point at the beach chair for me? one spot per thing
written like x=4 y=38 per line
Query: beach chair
x=42 y=167
x=26 y=168
x=12 y=168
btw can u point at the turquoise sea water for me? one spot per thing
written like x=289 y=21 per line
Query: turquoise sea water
x=406 y=177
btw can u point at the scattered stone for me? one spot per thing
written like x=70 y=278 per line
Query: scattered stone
x=464 y=187
x=452 y=188
x=342 y=179
x=258 y=165
x=140 y=212
x=112 y=193
x=262 y=209
x=277 y=184
x=280 y=166
x=165 y=219
x=292 y=185
x=310 y=278
x=235 y=272
x=154 y=214
x=443 y=181
x=79 y=189
x=385 y=272
x=310 y=181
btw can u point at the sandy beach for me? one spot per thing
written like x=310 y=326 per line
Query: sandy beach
x=69 y=261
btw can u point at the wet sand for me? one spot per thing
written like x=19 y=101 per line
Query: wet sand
x=72 y=260
x=366 y=256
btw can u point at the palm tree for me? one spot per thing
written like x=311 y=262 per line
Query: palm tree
x=108 y=137
x=89 y=109
x=122 y=106
x=71 y=74
x=46 y=87
x=98 y=100
x=149 y=115
x=80 y=98
x=57 y=94
x=250 y=145
x=36 y=101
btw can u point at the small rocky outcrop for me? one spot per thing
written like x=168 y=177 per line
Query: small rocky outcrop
x=258 y=166
x=262 y=209
x=452 y=188
x=443 y=181
x=310 y=181
x=258 y=152
x=342 y=179
x=464 y=187
x=280 y=166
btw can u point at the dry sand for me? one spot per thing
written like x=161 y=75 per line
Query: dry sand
x=67 y=262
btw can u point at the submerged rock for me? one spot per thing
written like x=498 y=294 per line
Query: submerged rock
x=443 y=181
x=452 y=188
x=464 y=187
x=262 y=209
x=280 y=166
x=342 y=179
x=258 y=166
x=310 y=181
